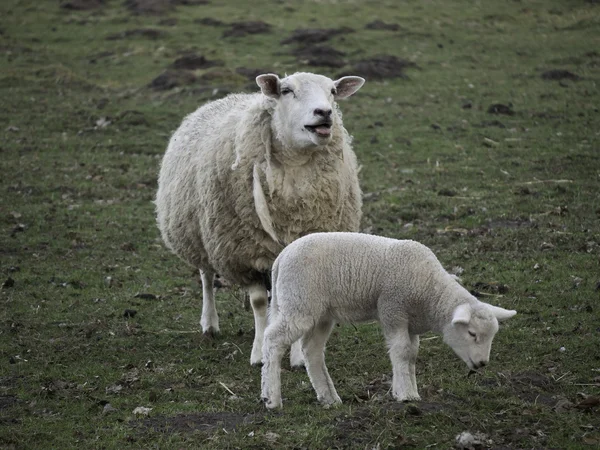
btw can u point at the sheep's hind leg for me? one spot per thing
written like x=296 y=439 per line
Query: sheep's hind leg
x=278 y=337
x=403 y=354
x=210 y=319
x=313 y=346
x=259 y=301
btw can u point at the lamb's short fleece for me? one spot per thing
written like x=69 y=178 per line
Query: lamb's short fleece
x=324 y=278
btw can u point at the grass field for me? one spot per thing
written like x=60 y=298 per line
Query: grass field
x=478 y=132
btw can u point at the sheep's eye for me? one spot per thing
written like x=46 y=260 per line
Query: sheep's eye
x=286 y=91
x=333 y=91
x=472 y=334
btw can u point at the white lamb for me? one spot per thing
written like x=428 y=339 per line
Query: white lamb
x=324 y=278
x=245 y=175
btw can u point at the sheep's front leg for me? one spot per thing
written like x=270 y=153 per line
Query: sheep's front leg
x=259 y=301
x=313 y=347
x=403 y=354
x=210 y=319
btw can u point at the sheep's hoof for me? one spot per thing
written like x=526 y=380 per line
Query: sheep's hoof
x=271 y=404
x=256 y=364
x=297 y=367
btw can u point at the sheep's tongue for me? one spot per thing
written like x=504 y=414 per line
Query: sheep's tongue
x=323 y=130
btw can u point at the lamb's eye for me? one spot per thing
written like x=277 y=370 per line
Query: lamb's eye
x=333 y=91
x=286 y=91
x=472 y=334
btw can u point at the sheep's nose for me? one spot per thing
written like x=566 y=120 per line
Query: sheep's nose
x=325 y=113
x=481 y=364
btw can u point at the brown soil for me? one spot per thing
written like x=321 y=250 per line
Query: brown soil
x=320 y=56
x=172 y=78
x=194 y=62
x=251 y=74
x=499 y=108
x=209 y=22
x=310 y=36
x=82 y=5
x=240 y=29
x=158 y=7
x=149 y=33
x=560 y=74
x=189 y=423
x=380 y=25
x=380 y=67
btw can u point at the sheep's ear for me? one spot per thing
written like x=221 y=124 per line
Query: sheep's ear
x=462 y=314
x=269 y=84
x=501 y=313
x=346 y=86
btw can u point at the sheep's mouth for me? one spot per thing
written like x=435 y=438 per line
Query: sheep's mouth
x=322 y=129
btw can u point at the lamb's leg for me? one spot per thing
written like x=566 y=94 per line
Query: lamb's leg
x=210 y=319
x=313 y=346
x=403 y=353
x=296 y=355
x=259 y=301
x=278 y=337
x=414 y=351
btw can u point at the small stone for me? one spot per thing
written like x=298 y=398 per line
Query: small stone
x=141 y=411
x=108 y=408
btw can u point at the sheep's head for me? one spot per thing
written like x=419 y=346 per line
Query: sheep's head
x=304 y=113
x=472 y=330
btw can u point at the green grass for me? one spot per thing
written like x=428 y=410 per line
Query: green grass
x=513 y=200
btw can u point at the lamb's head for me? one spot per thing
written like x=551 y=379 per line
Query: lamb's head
x=305 y=113
x=472 y=329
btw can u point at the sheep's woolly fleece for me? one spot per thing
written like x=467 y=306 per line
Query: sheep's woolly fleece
x=224 y=159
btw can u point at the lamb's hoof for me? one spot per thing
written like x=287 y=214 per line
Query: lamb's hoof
x=256 y=364
x=210 y=333
x=409 y=398
x=330 y=403
x=297 y=367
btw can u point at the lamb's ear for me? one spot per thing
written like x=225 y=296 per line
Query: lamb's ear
x=346 y=86
x=501 y=313
x=269 y=84
x=462 y=314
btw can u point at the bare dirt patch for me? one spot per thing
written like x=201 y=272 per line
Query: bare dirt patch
x=82 y=5
x=209 y=21
x=381 y=25
x=241 y=29
x=158 y=7
x=188 y=423
x=320 y=56
x=560 y=74
x=251 y=74
x=149 y=33
x=194 y=62
x=171 y=79
x=499 y=108
x=310 y=36
x=535 y=388
x=6 y=401
x=380 y=67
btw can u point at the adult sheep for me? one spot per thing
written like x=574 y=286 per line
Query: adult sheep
x=245 y=175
